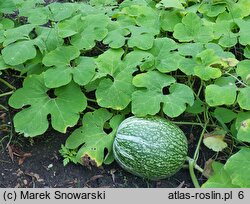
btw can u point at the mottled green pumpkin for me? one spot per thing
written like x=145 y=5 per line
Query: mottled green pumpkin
x=151 y=147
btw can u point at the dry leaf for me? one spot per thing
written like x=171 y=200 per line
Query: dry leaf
x=23 y=157
x=10 y=151
x=208 y=170
x=112 y=172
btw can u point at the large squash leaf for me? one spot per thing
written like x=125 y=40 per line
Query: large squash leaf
x=93 y=138
x=64 y=109
x=18 y=33
x=223 y=32
x=244 y=98
x=223 y=114
x=61 y=56
x=116 y=36
x=219 y=179
x=82 y=71
x=244 y=131
x=94 y=29
x=141 y=15
x=147 y=101
x=18 y=47
x=207 y=65
x=7 y=6
x=19 y=52
x=165 y=58
x=141 y=37
x=237 y=166
x=243 y=70
x=192 y=29
x=170 y=4
x=115 y=88
x=223 y=91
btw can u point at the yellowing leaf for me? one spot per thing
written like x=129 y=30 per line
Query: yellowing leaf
x=215 y=141
x=207 y=65
x=231 y=62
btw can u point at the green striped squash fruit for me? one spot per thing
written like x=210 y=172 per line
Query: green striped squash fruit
x=151 y=147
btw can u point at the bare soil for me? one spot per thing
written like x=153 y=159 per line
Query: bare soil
x=44 y=168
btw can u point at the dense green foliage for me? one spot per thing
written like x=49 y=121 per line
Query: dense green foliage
x=150 y=147
x=102 y=60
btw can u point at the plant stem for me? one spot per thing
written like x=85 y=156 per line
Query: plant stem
x=91 y=108
x=199 y=119
x=197 y=167
x=192 y=162
x=91 y=100
x=239 y=81
x=192 y=123
x=189 y=81
x=200 y=88
x=192 y=174
x=196 y=153
x=100 y=49
x=223 y=125
x=11 y=131
x=7 y=93
x=7 y=84
x=1 y=106
x=18 y=76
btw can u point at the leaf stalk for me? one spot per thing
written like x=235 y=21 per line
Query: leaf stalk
x=7 y=84
x=6 y=94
